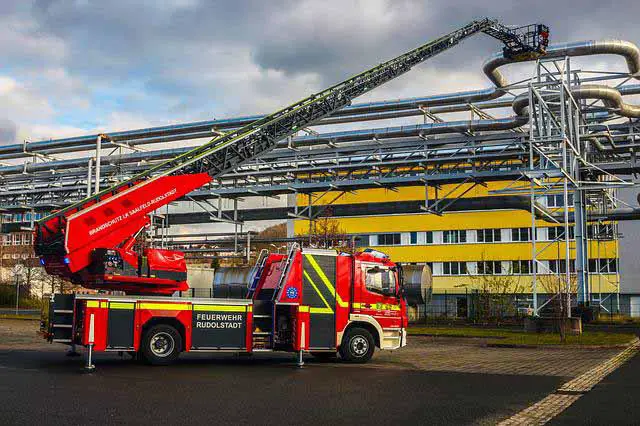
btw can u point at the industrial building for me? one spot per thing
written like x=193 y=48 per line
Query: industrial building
x=545 y=156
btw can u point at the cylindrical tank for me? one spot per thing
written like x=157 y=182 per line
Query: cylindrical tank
x=418 y=284
x=232 y=282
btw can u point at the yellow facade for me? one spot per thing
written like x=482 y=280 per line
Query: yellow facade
x=471 y=251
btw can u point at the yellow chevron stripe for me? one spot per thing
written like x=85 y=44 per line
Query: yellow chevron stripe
x=220 y=308
x=326 y=281
x=317 y=291
x=302 y=308
x=93 y=304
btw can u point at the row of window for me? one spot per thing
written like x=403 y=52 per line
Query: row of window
x=17 y=239
x=553 y=233
x=21 y=217
x=518 y=267
x=15 y=256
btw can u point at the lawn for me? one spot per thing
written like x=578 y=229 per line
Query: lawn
x=510 y=337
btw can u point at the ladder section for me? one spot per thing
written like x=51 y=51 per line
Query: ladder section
x=62 y=318
x=260 y=263
x=295 y=247
x=230 y=150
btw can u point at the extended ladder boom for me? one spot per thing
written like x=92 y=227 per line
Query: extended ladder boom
x=228 y=151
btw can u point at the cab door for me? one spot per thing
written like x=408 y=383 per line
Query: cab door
x=379 y=294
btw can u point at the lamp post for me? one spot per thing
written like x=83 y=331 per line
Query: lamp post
x=17 y=270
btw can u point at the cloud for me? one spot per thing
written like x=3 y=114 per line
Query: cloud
x=88 y=64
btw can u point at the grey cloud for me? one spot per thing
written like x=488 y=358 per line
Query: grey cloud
x=8 y=131
x=170 y=49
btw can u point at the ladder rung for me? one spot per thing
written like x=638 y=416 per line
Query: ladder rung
x=62 y=311
x=62 y=325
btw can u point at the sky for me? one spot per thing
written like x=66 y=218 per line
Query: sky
x=70 y=67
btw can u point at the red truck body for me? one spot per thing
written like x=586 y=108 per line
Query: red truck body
x=318 y=301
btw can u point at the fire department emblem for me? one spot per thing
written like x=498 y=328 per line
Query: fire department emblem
x=292 y=293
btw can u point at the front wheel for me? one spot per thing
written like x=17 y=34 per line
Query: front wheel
x=161 y=345
x=357 y=346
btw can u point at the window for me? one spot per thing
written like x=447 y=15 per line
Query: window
x=454 y=268
x=488 y=235
x=557 y=200
x=521 y=234
x=454 y=236
x=560 y=266
x=557 y=233
x=389 y=239
x=16 y=239
x=413 y=238
x=603 y=266
x=362 y=241
x=380 y=280
x=489 y=267
x=429 y=237
x=521 y=267
x=600 y=232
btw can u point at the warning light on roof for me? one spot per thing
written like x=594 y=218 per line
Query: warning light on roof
x=66 y=261
x=42 y=262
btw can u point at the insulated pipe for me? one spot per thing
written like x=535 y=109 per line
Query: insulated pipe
x=626 y=49
x=98 y=158
x=611 y=97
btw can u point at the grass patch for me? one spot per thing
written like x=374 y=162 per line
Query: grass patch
x=20 y=317
x=509 y=337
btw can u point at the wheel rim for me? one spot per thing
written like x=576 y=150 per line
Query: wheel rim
x=359 y=346
x=162 y=344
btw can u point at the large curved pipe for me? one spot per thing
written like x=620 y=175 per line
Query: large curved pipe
x=611 y=97
x=626 y=49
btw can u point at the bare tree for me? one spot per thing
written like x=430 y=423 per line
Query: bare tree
x=495 y=292
x=556 y=284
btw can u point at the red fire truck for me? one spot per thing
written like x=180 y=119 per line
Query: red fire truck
x=319 y=301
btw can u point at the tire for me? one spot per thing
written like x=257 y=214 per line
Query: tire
x=161 y=345
x=357 y=346
x=324 y=356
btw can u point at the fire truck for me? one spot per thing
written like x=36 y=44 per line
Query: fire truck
x=320 y=301
x=317 y=301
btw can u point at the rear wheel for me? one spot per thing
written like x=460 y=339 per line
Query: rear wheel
x=357 y=345
x=161 y=345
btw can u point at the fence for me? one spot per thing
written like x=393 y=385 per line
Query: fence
x=474 y=305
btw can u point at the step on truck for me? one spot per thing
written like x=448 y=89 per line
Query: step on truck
x=317 y=301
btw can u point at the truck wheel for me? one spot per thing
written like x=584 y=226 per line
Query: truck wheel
x=161 y=345
x=357 y=346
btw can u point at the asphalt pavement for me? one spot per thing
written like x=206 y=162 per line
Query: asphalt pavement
x=45 y=387
x=612 y=401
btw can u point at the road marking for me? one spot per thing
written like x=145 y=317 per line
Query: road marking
x=552 y=405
